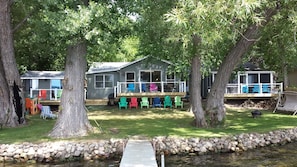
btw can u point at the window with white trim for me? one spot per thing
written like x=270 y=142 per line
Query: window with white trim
x=170 y=77
x=130 y=76
x=104 y=81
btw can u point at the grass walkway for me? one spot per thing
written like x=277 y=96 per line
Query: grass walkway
x=115 y=123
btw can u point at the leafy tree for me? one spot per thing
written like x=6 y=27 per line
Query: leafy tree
x=214 y=22
x=276 y=50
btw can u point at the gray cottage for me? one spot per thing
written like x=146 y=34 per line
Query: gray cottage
x=143 y=77
x=46 y=85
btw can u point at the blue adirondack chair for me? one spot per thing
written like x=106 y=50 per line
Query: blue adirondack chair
x=265 y=88
x=131 y=87
x=245 y=89
x=157 y=102
x=256 y=88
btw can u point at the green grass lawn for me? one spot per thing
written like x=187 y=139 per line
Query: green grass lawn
x=111 y=122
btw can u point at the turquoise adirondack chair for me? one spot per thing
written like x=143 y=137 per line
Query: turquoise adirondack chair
x=123 y=103
x=167 y=102
x=178 y=102
x=144 y=102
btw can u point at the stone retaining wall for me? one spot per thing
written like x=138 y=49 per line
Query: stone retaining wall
x=103 y=149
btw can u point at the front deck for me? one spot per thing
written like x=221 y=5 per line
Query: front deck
x=233 y=91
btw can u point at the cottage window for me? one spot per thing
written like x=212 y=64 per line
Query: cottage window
x=103 y=81
x=170 y=77
x=130 y=77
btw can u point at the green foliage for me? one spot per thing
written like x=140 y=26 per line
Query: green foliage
x=52 y=25
x=218 y=23
x=277 y=45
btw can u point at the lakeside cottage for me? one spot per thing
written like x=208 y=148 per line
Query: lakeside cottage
x=147 y=77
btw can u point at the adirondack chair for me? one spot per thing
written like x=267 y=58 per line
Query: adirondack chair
x=133 y=102
x=47 y=113
x=167 y=102
x=153 y=87
x=123 y=103
x=131 y=87
x=157 y=102
x=143 y=87
x=178 y=102
x=42 y=94
x=265 y=88
x=144 y=102
x=59 y=93
x=245 y=89
x=256 y=89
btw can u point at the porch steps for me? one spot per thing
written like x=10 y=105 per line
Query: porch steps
x=138 y=153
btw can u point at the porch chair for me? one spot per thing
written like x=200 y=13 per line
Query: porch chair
x=143 y=87
x=131 y=87
x=167 y=102
x=123 y=103
x=157 y=102
x=245 y=89
x=42 y=94
x=47 y=113
x=178 y=102
x=256 y=88
x=59 y=93
x=153 y=87
x=133 y=102
x=144 y=102
x=265 y=88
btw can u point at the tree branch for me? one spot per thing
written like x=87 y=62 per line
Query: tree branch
x=22 y=22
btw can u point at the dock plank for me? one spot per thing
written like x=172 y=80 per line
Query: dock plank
x=138 y=153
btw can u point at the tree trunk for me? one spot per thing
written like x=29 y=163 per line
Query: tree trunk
x=11 y=107
x=195 y=94
x=72 y=120
x=215 y=100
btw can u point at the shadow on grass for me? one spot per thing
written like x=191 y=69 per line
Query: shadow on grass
x=112 y=122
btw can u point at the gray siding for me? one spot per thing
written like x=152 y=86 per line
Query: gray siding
x=99 y=93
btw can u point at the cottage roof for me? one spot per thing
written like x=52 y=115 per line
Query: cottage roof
x=98 y=67
x=43 y=75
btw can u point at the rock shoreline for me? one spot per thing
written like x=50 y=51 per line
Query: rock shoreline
x=106 y=149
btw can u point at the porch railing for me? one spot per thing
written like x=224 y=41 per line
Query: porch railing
x=51 y=94
x=140 y=87
x=259 y=88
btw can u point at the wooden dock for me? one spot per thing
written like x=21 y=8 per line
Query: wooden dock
x=139 y=153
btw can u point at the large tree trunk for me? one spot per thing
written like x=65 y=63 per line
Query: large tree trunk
x=11 y=107
x=195 y=94
x=72 y=120
x=215 y=100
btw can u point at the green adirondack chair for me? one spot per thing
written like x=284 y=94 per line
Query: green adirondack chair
x=144 y=102
x=167 y=102
x=178 y=102
x=123 y=103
